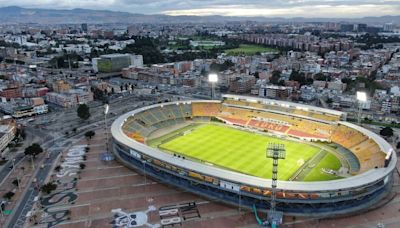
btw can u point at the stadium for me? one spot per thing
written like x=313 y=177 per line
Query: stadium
x=217 y=149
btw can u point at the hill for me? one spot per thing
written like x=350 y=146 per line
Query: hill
x=14 y=14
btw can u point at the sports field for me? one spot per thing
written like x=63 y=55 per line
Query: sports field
x=249 y=49
x=238 y=150
x=328 y=162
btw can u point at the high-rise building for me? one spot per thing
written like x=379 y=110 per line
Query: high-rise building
x=360 y=27
x=346 y=27
x=388 y=27
x=84 y=27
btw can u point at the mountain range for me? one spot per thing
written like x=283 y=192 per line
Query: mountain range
x=14 y=14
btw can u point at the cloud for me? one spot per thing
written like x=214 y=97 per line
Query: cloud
x=337 y=11
x=283 y=8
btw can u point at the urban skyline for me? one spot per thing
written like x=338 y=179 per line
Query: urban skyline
x=127 y=113
x=275 y=8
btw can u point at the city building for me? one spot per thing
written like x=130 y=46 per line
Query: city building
x=276 y=92
x=242 y=84
x=71 y=98
x=84 y=27
x=11 y=92
x=116 y=62
x=61 y=86
x=24 y=108
x=308 y=93
x=8 y=129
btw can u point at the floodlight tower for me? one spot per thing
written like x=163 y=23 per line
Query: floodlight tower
x=362 y=99
x=213 y=79
x=276 y=152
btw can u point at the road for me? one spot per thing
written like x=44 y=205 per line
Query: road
x=54 y=142
x=26 y=203
x=7 y=168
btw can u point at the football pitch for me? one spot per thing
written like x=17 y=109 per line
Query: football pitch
x=249 y=49
x=239 y=150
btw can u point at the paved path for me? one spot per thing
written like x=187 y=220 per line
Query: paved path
x=25 y=205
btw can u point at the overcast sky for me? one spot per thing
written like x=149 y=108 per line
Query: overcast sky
x=267 y=8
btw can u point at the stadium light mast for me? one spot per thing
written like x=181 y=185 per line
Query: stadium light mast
x=362 y=99
x=276 y=152
x=213 y=79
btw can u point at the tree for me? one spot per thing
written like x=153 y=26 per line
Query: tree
x=49 y=187
x=57 y=168
x=300 y=77
x=33 y=150
x=83 y=111
x=8 y=195
x=20 y=133
x=98 y=94
x=89 y=134
x=321 y=77
x=66 y=60
x=15 y=182
x=276 y=75
x=386 y=132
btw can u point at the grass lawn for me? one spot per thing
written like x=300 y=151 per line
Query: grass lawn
x=238 y=150
x=328 y=162
x=249 y=49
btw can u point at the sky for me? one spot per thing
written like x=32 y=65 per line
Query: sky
x=266 y=8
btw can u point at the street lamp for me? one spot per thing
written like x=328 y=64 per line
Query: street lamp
x=13 y=164
x=106 y=110
x=213 y=79
x=362 y=99
x=2 y=205
x=107 y=155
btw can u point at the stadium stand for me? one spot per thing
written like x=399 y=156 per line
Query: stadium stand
x=268 y=126
x=347 y=137
x=187 y=110
x=365 y=153
x=205 y=109
x=320 y=130
x=303 y=134
x=351 y=158
x=235 y=121
x=369 y=155
x=282 y=108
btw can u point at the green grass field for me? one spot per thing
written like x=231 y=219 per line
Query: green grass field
x=249 y=49
x=237 y=150
x=328 y=162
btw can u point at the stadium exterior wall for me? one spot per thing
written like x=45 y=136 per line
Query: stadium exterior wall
x=326 y=198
